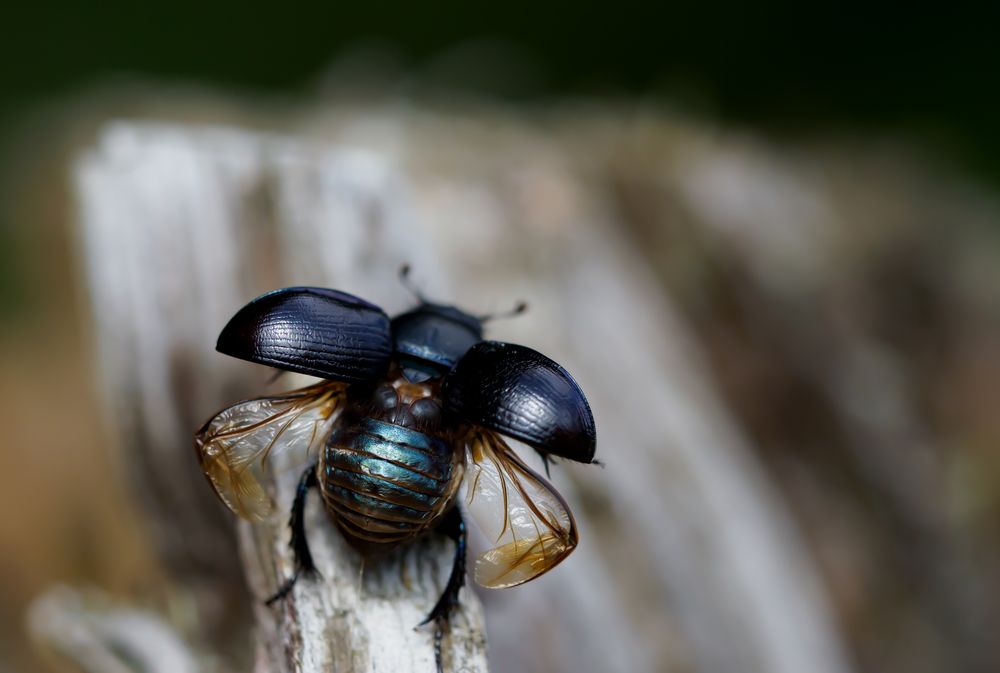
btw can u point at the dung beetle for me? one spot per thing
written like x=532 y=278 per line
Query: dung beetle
x=405 y=410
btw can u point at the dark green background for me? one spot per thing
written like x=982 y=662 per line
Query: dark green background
x=931 y=73
x=927 y=77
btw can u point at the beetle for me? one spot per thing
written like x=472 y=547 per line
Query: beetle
x=405 y=410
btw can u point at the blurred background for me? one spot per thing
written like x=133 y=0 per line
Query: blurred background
x=811 y=193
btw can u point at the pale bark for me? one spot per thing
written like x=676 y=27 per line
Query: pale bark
x=689 y=559
x=179 y=228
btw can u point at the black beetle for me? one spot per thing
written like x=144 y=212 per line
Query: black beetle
x=407 y=407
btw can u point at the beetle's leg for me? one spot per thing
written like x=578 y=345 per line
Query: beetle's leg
x=546 y=460
x=453 y=526
x=300 y=546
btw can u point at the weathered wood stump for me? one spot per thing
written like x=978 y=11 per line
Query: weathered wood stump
x=181 y=225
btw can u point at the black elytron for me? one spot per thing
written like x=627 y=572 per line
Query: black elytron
x=407 y=408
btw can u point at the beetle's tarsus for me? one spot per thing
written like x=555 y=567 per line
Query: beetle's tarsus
x=453 y=526
x=300 y=545
x=439 y=626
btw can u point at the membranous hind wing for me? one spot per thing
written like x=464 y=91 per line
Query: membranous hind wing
x=526 y=519
x=236 y=445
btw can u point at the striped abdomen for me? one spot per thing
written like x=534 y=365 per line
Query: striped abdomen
x=386 y=483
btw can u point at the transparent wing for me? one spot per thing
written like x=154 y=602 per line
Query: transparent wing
x=236 y=445
x=523 y=515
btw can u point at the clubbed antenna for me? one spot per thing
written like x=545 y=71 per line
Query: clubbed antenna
x=521 y=307
x=404 y=278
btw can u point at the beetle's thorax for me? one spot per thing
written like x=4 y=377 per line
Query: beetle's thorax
x=432 y=338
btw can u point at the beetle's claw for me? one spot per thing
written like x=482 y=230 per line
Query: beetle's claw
x=283 y=590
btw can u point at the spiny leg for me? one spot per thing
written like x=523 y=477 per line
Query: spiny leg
x=453 y=526
x=300 y=546
x=546 y=460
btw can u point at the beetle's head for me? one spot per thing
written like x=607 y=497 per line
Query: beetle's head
x=430 y=339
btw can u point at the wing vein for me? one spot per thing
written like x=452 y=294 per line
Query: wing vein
x=530 y=524
x=237 y=447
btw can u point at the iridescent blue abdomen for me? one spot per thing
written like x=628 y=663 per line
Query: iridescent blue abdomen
x=386 y=482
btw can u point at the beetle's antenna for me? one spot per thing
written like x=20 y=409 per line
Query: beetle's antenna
x=521 y=307
x=404 y=278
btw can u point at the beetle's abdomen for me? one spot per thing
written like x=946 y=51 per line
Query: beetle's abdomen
x=384 y=482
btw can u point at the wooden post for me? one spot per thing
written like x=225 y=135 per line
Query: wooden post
x=180 y=227
x=688 y=559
